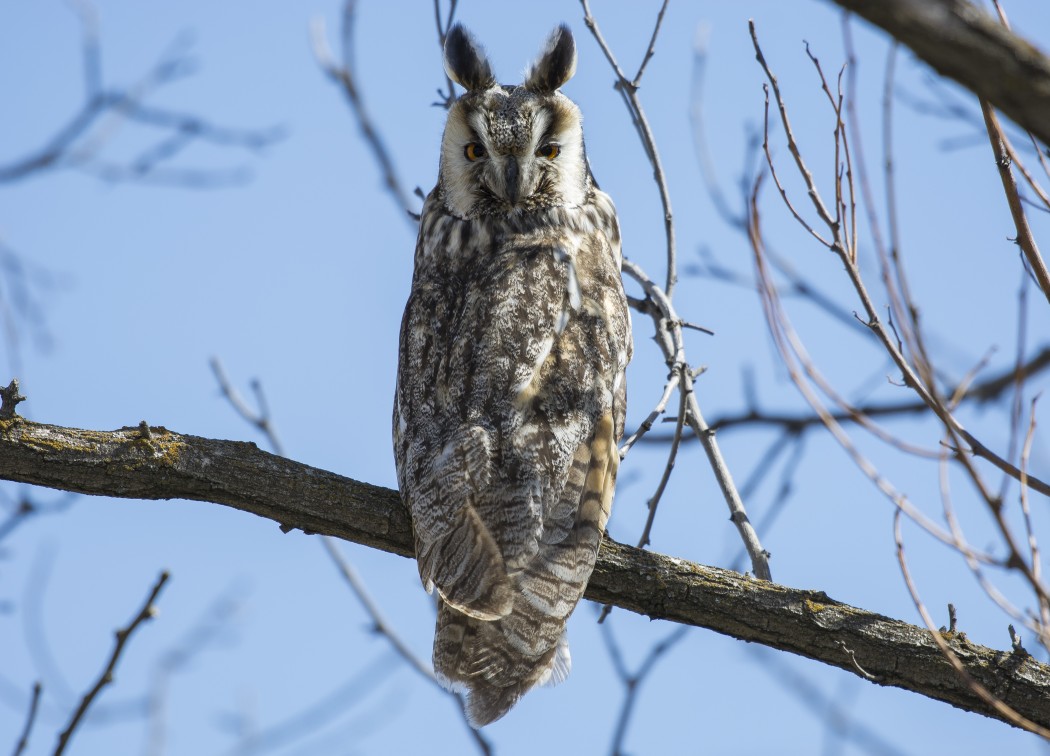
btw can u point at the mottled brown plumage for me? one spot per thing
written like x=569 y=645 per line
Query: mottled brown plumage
x=510 y=389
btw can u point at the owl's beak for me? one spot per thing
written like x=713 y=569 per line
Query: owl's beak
x=510 y=178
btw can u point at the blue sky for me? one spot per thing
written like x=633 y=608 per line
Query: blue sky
x=297 y=277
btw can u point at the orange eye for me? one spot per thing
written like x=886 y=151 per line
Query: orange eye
x=549 y=151
x=474 y=151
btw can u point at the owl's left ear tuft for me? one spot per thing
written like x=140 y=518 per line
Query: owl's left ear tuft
x=556 y=64
x=465 y=61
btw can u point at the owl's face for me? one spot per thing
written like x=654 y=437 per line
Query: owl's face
x=512 y=149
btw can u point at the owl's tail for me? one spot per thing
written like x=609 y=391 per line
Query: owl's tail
x=496 y=662
x=474 y=657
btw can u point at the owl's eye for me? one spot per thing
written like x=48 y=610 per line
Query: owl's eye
x=549 y=151
x=474 y=151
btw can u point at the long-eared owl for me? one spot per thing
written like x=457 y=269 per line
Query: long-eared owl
x=510 y=385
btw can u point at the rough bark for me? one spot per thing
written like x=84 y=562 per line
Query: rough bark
x=154 y=463
x=963 y=42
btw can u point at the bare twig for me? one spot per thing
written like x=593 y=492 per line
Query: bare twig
x=979 y=392
x=148 y=611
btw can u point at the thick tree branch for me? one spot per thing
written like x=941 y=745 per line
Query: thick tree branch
x=964 y=43
x=153 y=463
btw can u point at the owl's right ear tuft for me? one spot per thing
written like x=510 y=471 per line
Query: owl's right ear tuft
x=465 y=61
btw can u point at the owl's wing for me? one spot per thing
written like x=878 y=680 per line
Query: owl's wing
x=441 y=477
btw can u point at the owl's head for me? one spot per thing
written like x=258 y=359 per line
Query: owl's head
x=512 y=149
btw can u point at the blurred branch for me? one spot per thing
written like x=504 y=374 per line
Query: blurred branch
x=344 y=74
x=23 y=739
x=963 y=42
x=259 y=418
x=384 y=628
x=207 y=631
x=632 y=681
x=148 y=611
x=293 y=728
x=80 y=141
x=830 y=710
x=167 y=465
x=443 y=25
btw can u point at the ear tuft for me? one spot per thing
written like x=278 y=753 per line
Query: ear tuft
x=465 y=61
x=556 y=64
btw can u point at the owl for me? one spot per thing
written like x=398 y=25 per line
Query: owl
x=510 y=385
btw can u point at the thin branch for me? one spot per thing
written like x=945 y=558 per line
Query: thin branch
x=676 y=440
x=651 y=50
x=647 y=424
x=668 y=335
x=629 y=90
x=1033 y=544
x=1025 y=240
x=804 y=171
x=148 y=611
